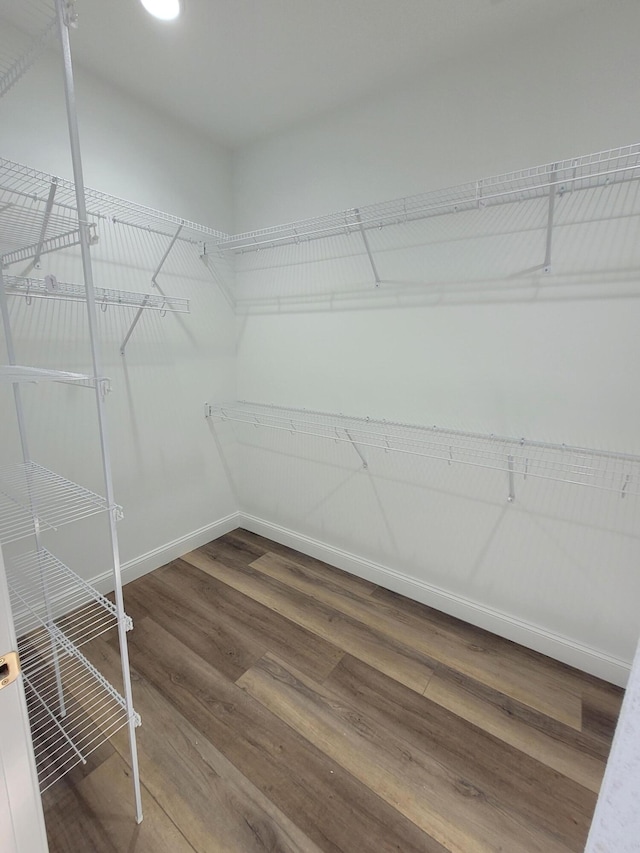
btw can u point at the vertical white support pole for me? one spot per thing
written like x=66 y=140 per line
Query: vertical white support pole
x=74 y=139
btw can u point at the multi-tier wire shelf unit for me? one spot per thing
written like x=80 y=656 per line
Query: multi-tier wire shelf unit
x=73 y=708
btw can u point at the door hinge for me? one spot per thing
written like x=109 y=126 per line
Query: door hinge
x=9 y=668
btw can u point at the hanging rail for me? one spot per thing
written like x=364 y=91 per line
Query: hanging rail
x=615 y=165
x=517 y=458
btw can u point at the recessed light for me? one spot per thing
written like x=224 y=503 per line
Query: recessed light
x=166 y=10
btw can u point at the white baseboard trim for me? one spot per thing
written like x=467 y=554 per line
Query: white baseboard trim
x=157 y=557
x=527 y=634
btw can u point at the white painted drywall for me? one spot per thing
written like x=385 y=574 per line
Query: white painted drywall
x=168 y=474
x=459 y=335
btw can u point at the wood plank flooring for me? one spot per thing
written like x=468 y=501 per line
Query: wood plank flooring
x=288 y=706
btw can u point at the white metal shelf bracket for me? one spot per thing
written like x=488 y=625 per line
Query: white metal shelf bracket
x=133 y=325
x=553 y=188
x=365 y=240
x=365 y=464
x=35 y=262
x=165 y=256
x=204 y=257
x=512 y=491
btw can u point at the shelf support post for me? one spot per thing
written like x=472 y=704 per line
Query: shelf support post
x=512 y=491
x=166 y=255
x=365 y=240
x=45 y=224
x=552 y=204
x=134 y=324
x=365 y=464
x=65 y=20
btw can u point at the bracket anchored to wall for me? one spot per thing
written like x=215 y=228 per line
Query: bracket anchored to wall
x=365 y=240
x=35 y=262
x=512 y=491
x=166 y=255
x=134 y=324
x=553 y=189
x=365 y=464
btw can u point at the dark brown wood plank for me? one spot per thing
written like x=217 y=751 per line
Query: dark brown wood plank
x=578 y=682
x=193 y=621
x=448 y=807
x=256 y=546
x=96 y=814
x=560 y=747
x=333 y=809
x=530 y=788
x=243 y=616
x=600 y=711
x=508 y=671
x=363 y=641
x=216 y=806
x=340 y=734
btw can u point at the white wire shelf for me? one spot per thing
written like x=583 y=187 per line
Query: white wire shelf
x=26 y=29
x=51 y=288
x=587 y=172
x=518 y=458
x=21 y=373
x=46 y=593
x=33 y=497
x=64 y=735
x=28 y=190
x=33 y=222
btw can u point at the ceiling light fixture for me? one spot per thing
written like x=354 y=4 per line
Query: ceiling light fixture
x=165 y=10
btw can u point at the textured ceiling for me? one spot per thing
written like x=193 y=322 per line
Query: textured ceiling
x=241 y=69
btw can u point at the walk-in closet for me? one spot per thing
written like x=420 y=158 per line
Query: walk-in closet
x=320 y=467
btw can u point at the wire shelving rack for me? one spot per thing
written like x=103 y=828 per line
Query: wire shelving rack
x=45 y=592
x=30 y=27
x=605 y=168
x=73 y=709
x=93 y=711
x=32 y=288
x=517 y=458
x=32 y=496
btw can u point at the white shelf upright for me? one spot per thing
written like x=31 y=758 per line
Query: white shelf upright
x=73 y=708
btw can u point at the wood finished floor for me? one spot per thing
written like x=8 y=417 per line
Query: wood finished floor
x=288 y=706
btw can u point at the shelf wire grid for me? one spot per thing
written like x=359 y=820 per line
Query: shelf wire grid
x=26 y=29
x=599 y=469
x=30 y=225
x=45 y=593
x=590 y=171
x=32 y=496
x=22 y=185
x=22 y=373
x=32 y=288
x=93 y=711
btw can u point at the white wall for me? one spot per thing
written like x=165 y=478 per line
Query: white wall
x=461 y=336
x=168 y=473
x=129 y=149
x=564 y=91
